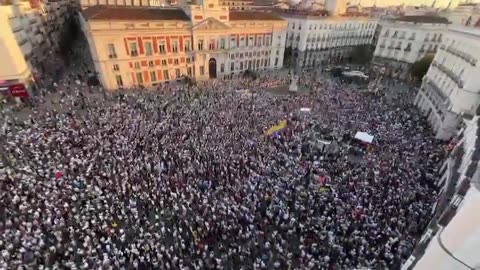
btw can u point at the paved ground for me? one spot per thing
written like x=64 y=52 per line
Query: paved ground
x=283 y=90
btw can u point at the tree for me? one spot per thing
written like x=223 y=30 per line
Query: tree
x=362 y=54
x=420 y=68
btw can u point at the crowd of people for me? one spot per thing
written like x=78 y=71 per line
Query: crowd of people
x=192 y=181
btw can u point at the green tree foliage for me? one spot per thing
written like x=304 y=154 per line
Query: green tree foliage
x=362 y=54
x=420 y=68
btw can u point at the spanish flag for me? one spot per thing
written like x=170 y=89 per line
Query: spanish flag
x=281 y=125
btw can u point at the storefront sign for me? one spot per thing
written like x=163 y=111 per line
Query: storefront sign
x=18 y=90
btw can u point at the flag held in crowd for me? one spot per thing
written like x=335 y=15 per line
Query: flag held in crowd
x=281 y=125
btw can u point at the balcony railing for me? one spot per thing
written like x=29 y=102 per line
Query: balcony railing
x=438 y=91
x=398 y=48
x=467 y=58
x=112 y=56
x=22 y=42
x=408 y=49
x=449 y=73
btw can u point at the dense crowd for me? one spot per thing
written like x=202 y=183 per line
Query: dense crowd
x=189 y=180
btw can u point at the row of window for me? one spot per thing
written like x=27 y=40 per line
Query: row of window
x=248 y=64
x=429 y=48
x=152 y=76
x=334 y=26
x=151 y=63
x=242 y=42
x=252 y=54
x=213 y=44
x=402 y=35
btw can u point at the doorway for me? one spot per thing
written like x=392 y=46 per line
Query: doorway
x=212 y=68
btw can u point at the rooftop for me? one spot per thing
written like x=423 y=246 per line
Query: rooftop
x=253 y=16
x=129 y=13
x=423 y=19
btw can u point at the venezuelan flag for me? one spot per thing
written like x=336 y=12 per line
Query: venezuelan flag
x=281 y=125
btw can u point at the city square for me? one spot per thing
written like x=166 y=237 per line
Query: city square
x=233 y=135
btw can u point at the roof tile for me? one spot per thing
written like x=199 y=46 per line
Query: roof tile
x=253 y=16
x=123 y=13
x=423 y=19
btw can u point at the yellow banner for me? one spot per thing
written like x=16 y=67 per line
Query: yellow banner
x=281 y=125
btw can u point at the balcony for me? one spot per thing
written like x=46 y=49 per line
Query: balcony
x=422 y=50
x=112 y=56
x=26 y=47
x=449 y=73
x=398 y=48
x=22 y=42
x=411 y=38
x=402 y=37
x=467 y=58
x=134 y=53
x=408 y=49
x=390 y=47
x=436 y=89
x=16 y=25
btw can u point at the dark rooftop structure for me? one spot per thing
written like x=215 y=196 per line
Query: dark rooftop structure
x=423 y=19
x=253 y=16
x=128 y=13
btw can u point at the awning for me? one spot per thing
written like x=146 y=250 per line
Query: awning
x=364 y=137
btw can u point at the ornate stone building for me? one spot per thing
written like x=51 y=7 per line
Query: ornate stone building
x=148 y=45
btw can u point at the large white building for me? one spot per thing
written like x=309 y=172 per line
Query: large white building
x=407 y=39
x=451 y=88
x=464 y=14
x=327 y=39
x=452 y=239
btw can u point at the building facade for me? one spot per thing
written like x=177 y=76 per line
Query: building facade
x=464 y=14
x=237 y=4
x=405 y=40
x=134 y=46
x=451 y=87
x=321 y=40
x=451 y=240
x=132 y=3
x=26 y=40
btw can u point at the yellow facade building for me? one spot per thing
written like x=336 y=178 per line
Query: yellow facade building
x=134 y=46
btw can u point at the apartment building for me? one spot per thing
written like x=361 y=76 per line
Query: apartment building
x=145 y=46
x=405 y=40
x=451 y=88
x=451 y=239
x=320 y=40
x=23 y=42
